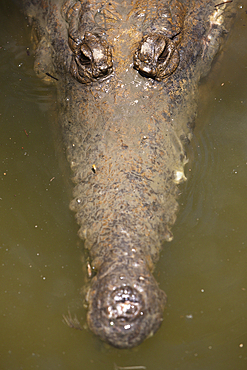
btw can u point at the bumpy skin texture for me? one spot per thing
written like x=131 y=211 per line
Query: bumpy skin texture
x=128 y=73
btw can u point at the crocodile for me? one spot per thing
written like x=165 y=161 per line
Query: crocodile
x=127 y=74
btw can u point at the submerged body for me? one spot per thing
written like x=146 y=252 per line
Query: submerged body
x=128 y=74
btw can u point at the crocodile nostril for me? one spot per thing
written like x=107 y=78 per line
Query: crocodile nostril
x=126 y=304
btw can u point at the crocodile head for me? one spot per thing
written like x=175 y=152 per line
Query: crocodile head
x=128 y=75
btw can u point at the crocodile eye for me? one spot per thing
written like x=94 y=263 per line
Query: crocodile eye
x=156 y=57
x=92 y=59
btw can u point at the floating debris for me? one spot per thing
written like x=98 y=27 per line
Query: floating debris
x=72 y=322
x=116 y=367
x=49 y=75
x=223 y=3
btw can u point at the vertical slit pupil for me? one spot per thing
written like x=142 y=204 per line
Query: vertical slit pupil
x=163 y=55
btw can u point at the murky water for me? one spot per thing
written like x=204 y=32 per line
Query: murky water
x=203 y=271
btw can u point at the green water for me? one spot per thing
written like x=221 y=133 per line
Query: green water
x=203 y=271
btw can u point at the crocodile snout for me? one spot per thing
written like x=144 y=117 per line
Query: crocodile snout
x=125 y=307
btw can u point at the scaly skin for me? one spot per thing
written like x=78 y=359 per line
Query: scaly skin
x=128 y=73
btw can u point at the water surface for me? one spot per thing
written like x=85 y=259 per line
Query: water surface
x=203 y=270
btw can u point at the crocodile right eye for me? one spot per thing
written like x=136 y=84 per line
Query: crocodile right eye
x=156 y=57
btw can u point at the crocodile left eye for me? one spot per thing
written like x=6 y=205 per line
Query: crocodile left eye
x=92 y=58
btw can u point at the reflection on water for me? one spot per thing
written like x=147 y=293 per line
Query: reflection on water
x=203 y=271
